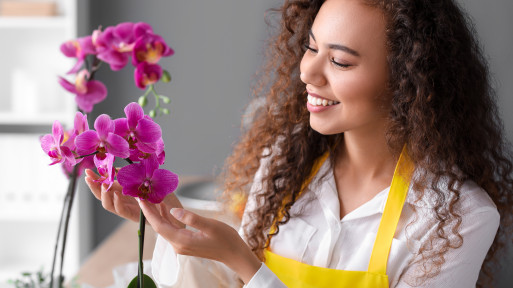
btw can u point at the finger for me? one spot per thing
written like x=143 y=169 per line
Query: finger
x=192 y=219
x=172 y=201
x=94 y=187
x=107 y=199
x=90 y=173
x=162 y=226
x=124 y=208
x=164 y=211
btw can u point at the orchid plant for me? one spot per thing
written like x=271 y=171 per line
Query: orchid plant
x=137 y=138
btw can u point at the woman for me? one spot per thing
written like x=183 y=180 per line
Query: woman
x=378 y=160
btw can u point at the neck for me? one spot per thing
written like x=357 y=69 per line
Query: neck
x=366 y=155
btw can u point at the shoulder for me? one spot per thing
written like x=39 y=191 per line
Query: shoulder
x=472 y=198
x=474 y=209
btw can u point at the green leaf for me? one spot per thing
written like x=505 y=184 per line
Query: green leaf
x=165 y=99
x=166 y=77
x=147 y=282
x=143 y=101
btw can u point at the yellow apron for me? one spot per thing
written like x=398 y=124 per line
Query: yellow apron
x=299 y=275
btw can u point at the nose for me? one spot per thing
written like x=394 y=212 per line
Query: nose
x=312 y=71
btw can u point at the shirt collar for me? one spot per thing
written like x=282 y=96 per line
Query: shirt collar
x=325 y=190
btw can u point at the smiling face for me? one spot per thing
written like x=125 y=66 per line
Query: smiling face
x=345 y=69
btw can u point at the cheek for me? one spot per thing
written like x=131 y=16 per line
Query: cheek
x=361 y=92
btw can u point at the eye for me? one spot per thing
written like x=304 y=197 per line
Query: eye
x=338 y=64
x=309 y=48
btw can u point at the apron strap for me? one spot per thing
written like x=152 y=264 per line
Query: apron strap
x=391 y=214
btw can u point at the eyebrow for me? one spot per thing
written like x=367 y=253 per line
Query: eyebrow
x=338 y=46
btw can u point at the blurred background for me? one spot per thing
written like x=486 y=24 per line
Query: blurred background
x=218 y=49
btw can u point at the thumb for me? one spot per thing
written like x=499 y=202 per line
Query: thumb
x=191 y=219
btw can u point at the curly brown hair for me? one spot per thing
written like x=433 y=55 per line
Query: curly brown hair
x=443 y=108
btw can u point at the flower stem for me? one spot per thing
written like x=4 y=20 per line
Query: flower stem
x=68 y=202
x=73 y=184
x=142 y=224
x=66 y=198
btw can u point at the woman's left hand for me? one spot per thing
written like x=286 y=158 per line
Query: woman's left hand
x=214 y=239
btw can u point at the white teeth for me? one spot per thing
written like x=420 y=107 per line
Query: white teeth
x=319 y=101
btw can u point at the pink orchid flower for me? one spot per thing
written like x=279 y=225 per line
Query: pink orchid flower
x=103 y=140
x=147 y=74
x=79 y=49
x=115 y=45
x=138 y=155
x=141 y=132
x=105 y=169
x=88 y=92
x=146 y=181
x=150 y=48
x=53 y=146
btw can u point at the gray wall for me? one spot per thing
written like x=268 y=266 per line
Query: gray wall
x=218 y=47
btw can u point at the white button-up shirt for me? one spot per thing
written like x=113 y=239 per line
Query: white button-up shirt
x=316 y=235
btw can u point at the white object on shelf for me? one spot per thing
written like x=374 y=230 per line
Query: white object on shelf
x=31 y=192
x=24 y=92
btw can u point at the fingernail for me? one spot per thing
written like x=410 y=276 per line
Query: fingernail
x=177 y=213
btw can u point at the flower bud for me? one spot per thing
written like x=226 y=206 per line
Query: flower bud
x=165 y=111
x=166 y=77
x=165 y=99
x=143 y=101
x=152 y=113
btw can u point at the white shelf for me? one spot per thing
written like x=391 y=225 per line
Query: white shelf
x=8 y=22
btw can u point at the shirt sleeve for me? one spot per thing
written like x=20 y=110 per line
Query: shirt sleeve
x=462 y=265
x=171 y=270
x=265 y=278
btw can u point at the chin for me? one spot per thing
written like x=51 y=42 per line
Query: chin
x=324 y=129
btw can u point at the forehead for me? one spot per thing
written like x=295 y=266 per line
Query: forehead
x=351 y=23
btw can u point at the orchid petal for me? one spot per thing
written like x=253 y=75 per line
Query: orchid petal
x=124 y=31
x=147 y=74
x=142 y=29
x=86 y=45
x=47 y=143
x=70 y=48
x=121 y=127
x=130 y=177
x=87 y=142
x=96 y=92
x=67 y=85
x=70 y=142
x=68 y=155
x=147 y=147
x=80 y=123
x=161 y=157
x=148 y=131
x=150 y=165
x=134 y=113
x=104 y=125
x=117 y=145
x=76 y=67
x=163 y=182
x=57 y=132
x=115 y=59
